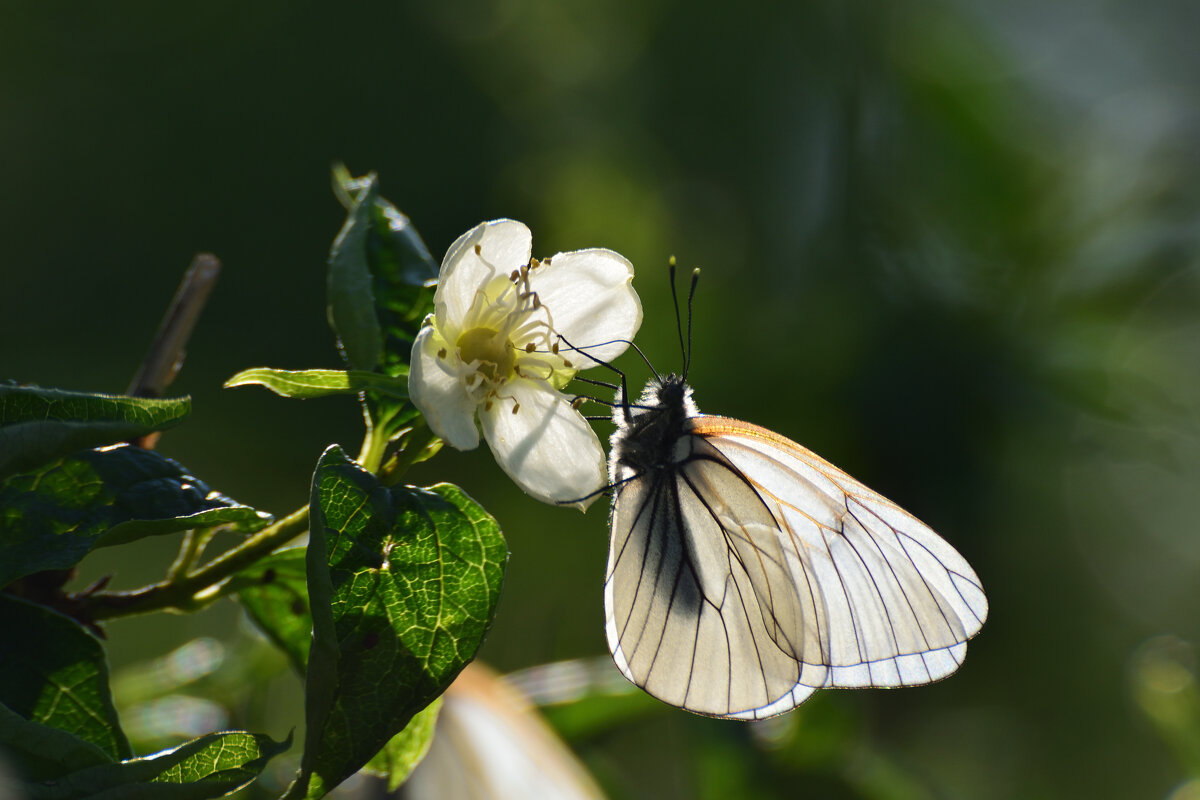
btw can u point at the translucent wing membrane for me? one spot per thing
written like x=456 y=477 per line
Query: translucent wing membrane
x=753 y=572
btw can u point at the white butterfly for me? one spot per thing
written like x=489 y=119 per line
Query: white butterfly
x=745 y=572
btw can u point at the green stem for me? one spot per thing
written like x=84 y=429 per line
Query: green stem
x=179 y=592
x=194 y=542
x=414 y=451
x=373 y=446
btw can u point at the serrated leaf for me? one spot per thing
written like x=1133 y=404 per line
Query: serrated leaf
x=39 y=425
x=321 y=382
x=400 y=756
x=403 y=585
x=53 y=672
x=40 y=751
x=210 y=766
x=55 y=515
x=351 y=303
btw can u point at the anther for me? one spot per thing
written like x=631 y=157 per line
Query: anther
x=515 y=276
x=442 y=353
x=554 y=348
x=478 y=250
x=487 y=405
x=516 y=407
x=577 y=402
x=529 y=348
x=568 y=364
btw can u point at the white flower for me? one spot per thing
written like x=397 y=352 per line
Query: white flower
x=494 y=348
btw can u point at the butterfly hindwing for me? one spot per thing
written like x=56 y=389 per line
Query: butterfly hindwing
x=900 y=603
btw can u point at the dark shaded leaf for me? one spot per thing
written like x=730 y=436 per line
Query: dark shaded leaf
x=274 y=593
x=351 y=301
x=401 y=755
x=402 y=270
x=53 y=672
x=403 y=274
x=210 y=766
x=40 y=425
x=40 y=752
x=56 y=514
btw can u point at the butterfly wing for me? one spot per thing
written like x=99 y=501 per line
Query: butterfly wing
x=683 y=618
x=756 y=572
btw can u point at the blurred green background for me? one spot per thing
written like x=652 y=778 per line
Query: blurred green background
x=951 y=246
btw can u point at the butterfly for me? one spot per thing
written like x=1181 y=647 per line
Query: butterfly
x=745 y=572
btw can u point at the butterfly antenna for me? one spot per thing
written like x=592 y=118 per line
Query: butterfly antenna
x=687 y=353
x=683 y=349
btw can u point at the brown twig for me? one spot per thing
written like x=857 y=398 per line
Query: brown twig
x=165 y=358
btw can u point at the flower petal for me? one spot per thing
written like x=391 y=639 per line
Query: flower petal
x=435 y=388
x=546 y=447
x=504 y=245
x=591 y=297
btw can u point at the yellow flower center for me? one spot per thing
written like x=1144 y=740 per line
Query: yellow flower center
x=494 y=352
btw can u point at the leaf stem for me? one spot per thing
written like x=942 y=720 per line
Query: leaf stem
x=193 y=544
x=180 y=592
x=414 y=450
x=374 y=444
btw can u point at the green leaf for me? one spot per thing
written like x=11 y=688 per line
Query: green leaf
x=321 y=382
x=53 y=672
x=401 y=266
x=274 y=592
x=55 y=515
x=400 y=756
x=403 y=584
x=403 y=275
x=351 y=302
x=403 y=270
x=39 y=425
x=210 y=766
x=39 y=751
